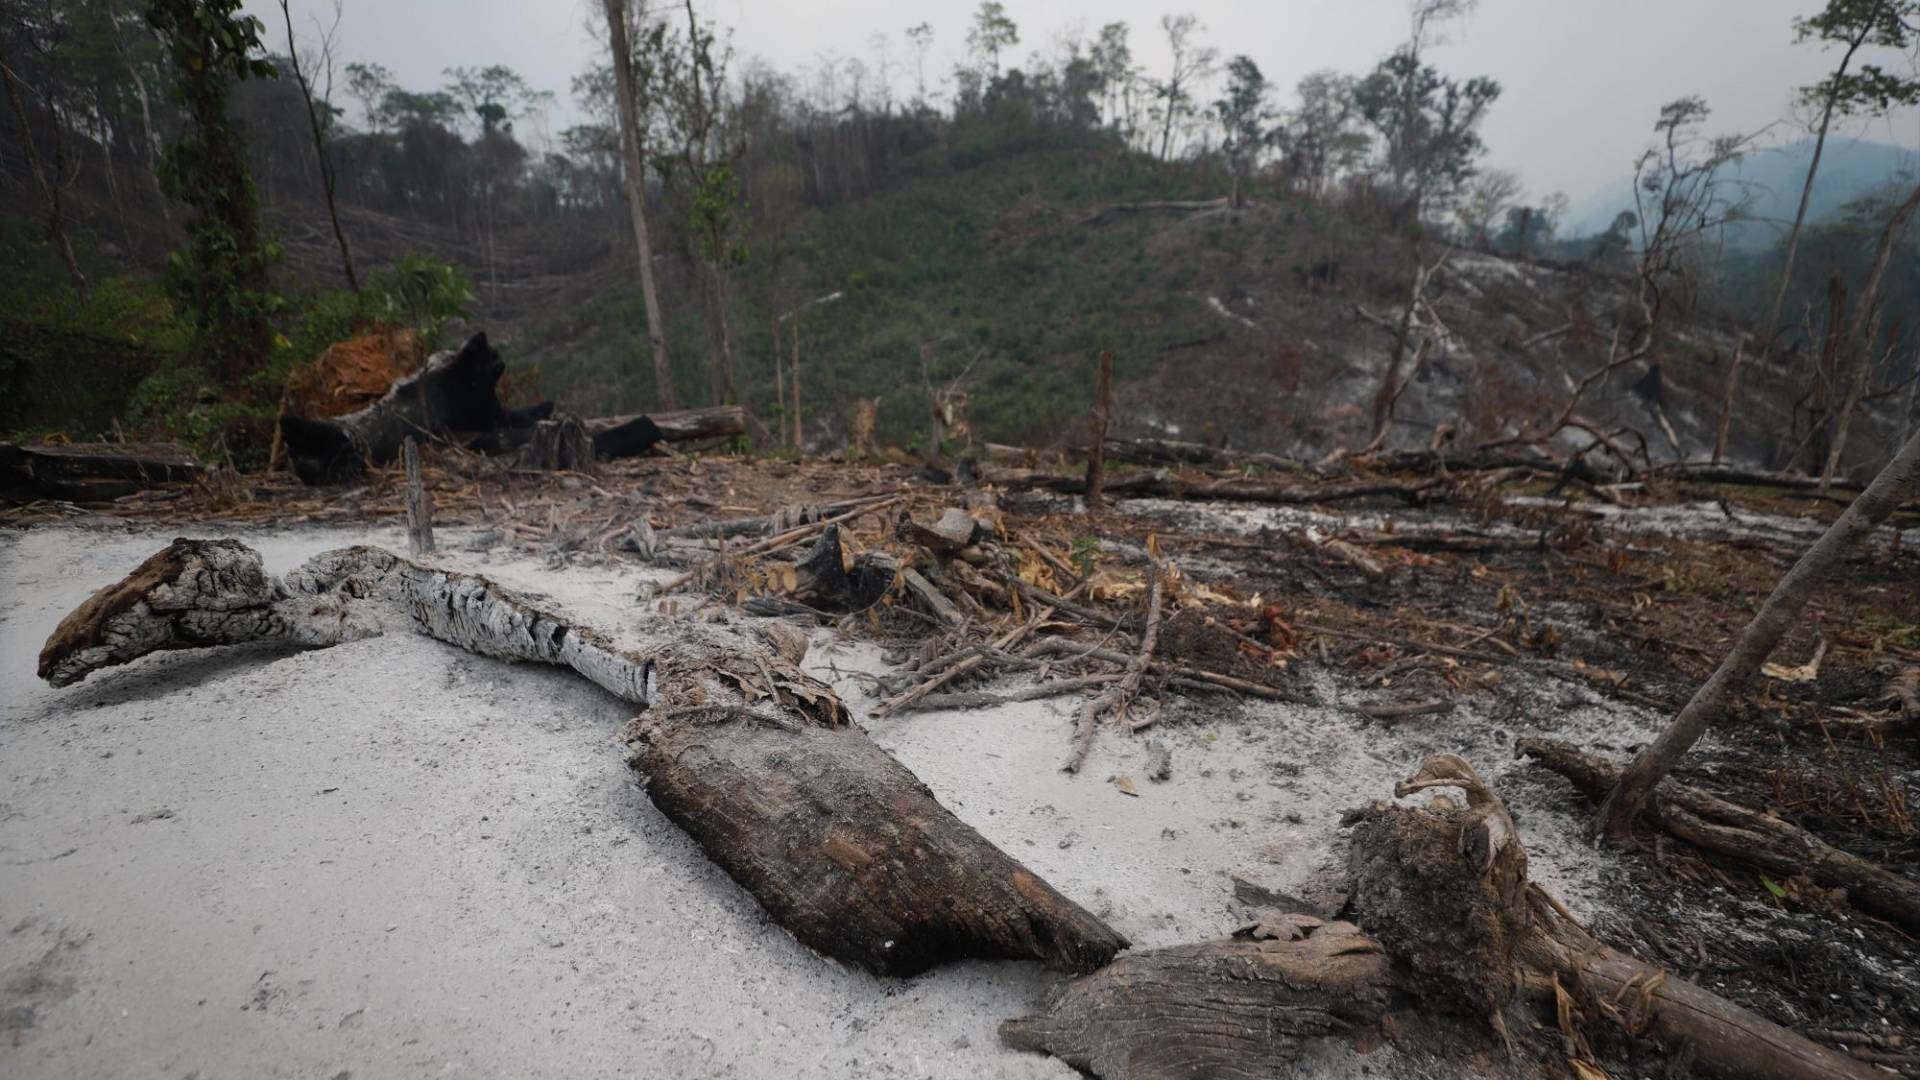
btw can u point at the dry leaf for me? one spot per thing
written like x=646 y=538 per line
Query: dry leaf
x=1125 y=784
x=1805 y=673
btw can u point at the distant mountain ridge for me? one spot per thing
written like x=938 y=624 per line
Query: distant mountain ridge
x=1850 y=167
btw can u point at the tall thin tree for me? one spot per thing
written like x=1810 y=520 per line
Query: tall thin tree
x=1853 y=24
x=637 y=195
x=327 y=179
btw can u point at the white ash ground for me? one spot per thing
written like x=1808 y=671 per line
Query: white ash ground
x=392 y=858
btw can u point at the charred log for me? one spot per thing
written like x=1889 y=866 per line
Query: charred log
x=755 y=758
x=1445 y=922
x=1165 y=485
x=848 y=850
x=453 y=395
x=1758 y=839
x=630 y=436
x=1231 y=1008
x=92 y=472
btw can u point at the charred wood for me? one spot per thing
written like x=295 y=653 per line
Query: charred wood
x=755 y=758
x=92 y=472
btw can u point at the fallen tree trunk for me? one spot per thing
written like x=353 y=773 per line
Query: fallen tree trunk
x=452 y=395
x=92 y=472
x=1762 y=840
x=613 y=436
x=848 y=850
x=1176 y=452
x=1163 y=485
x=755 y=758
x=1898 y=481
x=1448 y=924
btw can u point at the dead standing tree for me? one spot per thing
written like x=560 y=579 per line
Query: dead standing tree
x=1097 y=421
x=1681 y=200
x=305 y=80
x=1856 y=345
x=636 y=176
x=1392 y=383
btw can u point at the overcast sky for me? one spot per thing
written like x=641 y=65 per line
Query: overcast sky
x=1582 y=79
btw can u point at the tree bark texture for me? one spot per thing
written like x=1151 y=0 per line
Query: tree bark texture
x=1445 y=924
x=1237 y=1007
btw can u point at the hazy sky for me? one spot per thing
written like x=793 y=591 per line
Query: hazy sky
x=1582 y=79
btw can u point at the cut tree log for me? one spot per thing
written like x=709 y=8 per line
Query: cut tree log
x=1445 y=922
x=1758 y=839
x=848 y=850
x=92 y=472
x=1239 y=1007
x=453 y=395
x=843 y=845
x=954 y=531
x=561 y=443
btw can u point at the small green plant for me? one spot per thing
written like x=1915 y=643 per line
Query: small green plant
x=1085 y=554
x=419 y=292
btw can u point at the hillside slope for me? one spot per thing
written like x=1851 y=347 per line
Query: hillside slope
x=1267 y=326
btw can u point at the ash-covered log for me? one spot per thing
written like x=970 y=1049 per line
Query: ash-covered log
x=751 y=755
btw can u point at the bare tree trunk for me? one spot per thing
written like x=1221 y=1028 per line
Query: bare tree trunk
x=779 y=381
x=320 y=152
x=1825 y=375
x=1390 y=380
x=1859 y=341
x=1913 y=391
x=799 y=445
x=1771 y=326
x=1097 y=433
x=1895 y=484
x=637 y=198
x=419 y=503
x=1726 y=402
x=729 y=380
x=1843 y=420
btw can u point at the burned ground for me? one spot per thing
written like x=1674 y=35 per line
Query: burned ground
x=1488 y=610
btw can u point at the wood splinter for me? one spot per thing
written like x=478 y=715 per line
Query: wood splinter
x=756 y=759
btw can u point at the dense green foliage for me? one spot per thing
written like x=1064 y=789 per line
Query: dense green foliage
x=979 y=256
x=219 y=281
